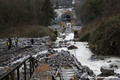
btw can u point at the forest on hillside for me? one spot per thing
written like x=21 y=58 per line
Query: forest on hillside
x=101 y=25
x=23 y=15
x=14 y=12
x=63 y=3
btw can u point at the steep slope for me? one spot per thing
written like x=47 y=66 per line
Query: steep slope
x=101 y=26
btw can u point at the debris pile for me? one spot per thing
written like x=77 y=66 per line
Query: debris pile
x=65 y=66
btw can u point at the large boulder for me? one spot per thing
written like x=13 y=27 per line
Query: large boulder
x=84 y=76
x=106 y=71
x=96 y=58
x=88 y=70
x=72 y=47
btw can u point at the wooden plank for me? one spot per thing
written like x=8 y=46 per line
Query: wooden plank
x=50 y=55
x=42 y=72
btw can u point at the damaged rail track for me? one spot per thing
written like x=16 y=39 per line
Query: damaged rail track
x=65 y=66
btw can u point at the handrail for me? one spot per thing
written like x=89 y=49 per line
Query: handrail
x=32 y=65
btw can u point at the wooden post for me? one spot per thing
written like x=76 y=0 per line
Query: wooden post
x=30 y=68
x=7 y=78
x=18 y=76
x=25 y=70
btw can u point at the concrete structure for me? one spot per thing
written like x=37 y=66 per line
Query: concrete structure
x=68 y=28
x=68 y=17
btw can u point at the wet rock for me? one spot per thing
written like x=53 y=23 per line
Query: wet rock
x=63 y=44
x=87 y=69
x=61 y=59
x=84 y=76
x=96 y=58
x=72 y=47
x=118 y=76
x=55 y=46
x=113 y=66
x=79 y=73
x=108 y=61
x=106 y=71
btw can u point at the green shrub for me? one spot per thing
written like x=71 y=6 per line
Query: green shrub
x=39 y=31
x=105 y=39
x=101 y=25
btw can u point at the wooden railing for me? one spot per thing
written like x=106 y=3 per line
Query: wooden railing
x=29 y=66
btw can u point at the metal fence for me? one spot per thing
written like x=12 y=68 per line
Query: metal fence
x=28 y=66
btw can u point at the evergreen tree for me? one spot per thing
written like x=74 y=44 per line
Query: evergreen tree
x=57 y=4
x=48 y=12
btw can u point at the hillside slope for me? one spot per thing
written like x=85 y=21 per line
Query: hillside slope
x=24 y=18
x=101 y=26
x=30 y=31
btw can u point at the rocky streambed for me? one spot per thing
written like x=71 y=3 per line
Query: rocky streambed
x=10 y=58
x=68 y=60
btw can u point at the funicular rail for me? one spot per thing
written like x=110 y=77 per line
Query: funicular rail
x=32 y=65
